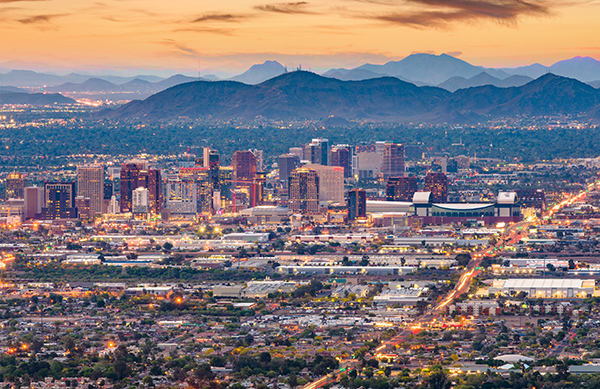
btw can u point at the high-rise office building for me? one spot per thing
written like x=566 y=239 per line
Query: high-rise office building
x=108 y=189
x=317 y=152
x=84 y=207
x=304 y=191
x=130 y=181
x=287 y=163
x=331 y=183
x=59 y=201
x=155 y=192
x=393 y=160
x=299 y=151
x=90 y=184
x=34 y=201
x=15 y=186
x=135 y=174
x=182 y=197
x=357 y=204
x=113 y=207
x=401 y=188
x=244 y=171
x=259 y=155
x=201 y=177
x=437 y=184
x=141 y=201
x=258 y=189
x=342 y=157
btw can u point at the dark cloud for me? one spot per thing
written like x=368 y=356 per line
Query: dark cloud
x=207 y=30
x=217 y=17
x=40 y=18
x=180 y=48
x=298 y=7
x=425 y=13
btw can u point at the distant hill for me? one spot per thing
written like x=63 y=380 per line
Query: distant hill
x=292 y=95
x=427 y=68
x=547 y=95
x=136 y=88
x=581 y=68
x=34 y=98
x=305 y=95
x=174 y=80
x=90 y=85
x=12 y=89
x=353 y=75
x=260 y=73
x=28 y=78
x=483 y=78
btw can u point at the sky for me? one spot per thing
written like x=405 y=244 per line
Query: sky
x=227 y=36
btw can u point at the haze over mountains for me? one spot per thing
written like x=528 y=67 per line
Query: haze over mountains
x=420 y=69
x=304 y=95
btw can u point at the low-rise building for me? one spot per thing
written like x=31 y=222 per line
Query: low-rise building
x=544 y=288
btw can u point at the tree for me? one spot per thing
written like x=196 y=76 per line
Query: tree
x=292 y=381
x=437 y=380
x=463 y=259
x=421 y=306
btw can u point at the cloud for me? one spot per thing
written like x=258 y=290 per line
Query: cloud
x=436 y=13
x=219 y=17
x=207 y=30
x=40 y=18
x=179 y=48
x=16 y=1
x=298 y=7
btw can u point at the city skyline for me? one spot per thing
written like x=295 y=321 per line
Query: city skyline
x=227 y=38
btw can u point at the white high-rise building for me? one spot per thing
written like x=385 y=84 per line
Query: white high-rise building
x=182 y=197
x=141 y=200
x=114 y=207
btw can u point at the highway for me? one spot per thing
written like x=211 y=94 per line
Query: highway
x=512 y=234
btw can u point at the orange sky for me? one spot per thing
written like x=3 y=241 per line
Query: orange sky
x=230 y=35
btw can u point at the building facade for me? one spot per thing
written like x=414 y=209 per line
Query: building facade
x=331 y=183
x=90 y=184
x=59 y=201
x=15 y=186
x=437 y=184
x=401 y=188
x=393 y=160
x=304 y=191
x=357 y=204
x=287 y=163
x=342 y=157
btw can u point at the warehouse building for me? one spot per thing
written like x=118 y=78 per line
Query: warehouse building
x=544 y=288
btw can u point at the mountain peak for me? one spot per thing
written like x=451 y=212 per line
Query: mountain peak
x=260 y=72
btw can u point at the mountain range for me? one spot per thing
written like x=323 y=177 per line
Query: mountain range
x=305 y=95
x=9 y=97
x=420 y=69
